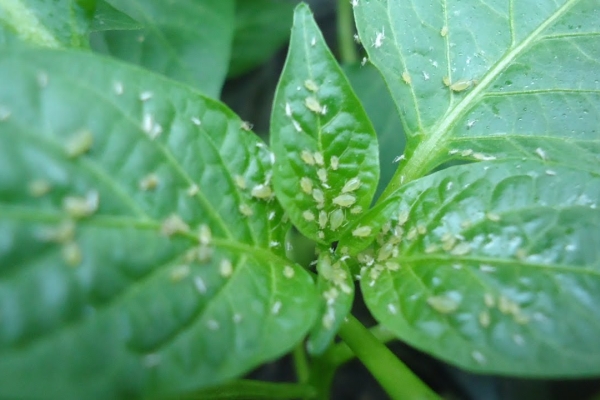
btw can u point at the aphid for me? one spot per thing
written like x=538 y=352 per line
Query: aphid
x=306 y=184
x=443 y=304
x=193 y=190
x=311 y=85
x=356 y=210
x=461 y=85
x=173 y=224
x=344 y=200
x=466 y=152
x=297 y=126
x=262 y=191
x=63 y=233
x=200 y=285
x=392 y=308
x=385 y=252
x=406 y=78
x=324 y=109
x=356 y=38
x=308 y=215
x=412 y=233
x=403 y=217
x=549 y=172
x=204 y=253
x=484 y=318
x=71 y=253
x=205 y=234
x=334 y=162
x=319 y=160
x=4 y=113
x=492 y=216
x=145 y=96
x=446 y=81
x=39 y=187
x=336 y=219
x=318 y=195
x=179 y=272
x=330 y=295
x=240 y=181
x=288 y=272
x=328 y=319
x=461 y=249
x=149 y=182
x=541 y=153
x=321 y=235
x=276 y=307
x=444 y=31
x=432 y=248
x=489 y=300
x=313 y=104
x=392 y=266
x=421 y=229
x=225 y=268
x=478 y=356
x=274 y=243
x=322 y=219
x=212 y=324
x=364 y=61
x=118 y=88
x=362 y=231
x=288 y=109
x=379 y=36
x=246 y=126
x=152 y=129
x=322 y=174
x=79 y=144
x=246 y=210
x=307 y=157
x=80 y=207
x=351 y=185
x=313 y=41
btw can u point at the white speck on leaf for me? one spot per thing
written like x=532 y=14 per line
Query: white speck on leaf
x=200 y=285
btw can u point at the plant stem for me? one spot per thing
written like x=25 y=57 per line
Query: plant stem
x=249 y=389
x=345 y=32
x=396 y=378
x=340 y=353
x=301 y=364
x=321 y=376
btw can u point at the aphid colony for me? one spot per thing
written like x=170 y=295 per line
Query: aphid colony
x=340 y=281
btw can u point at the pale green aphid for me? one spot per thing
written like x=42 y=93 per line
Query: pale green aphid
x=149 y=182
x=307 y=157
x=313 y=104
x=311 y=85
x=80 y=207
x=246 y=210
x=225 y=268
x=308 y=215
x=362 y=231
x=262 y=191
x=79 y=144
x=461 y=85
x=306 y=185
x=351 y=185
x=443 y=304
x=318 y=195
x=336 y=219
x=322 y=219
x=174 y=224
x=344 y=200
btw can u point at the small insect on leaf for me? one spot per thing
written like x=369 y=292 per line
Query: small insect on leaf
x=461 y=85
x=319 y=160
x=444 y=31
x=39 y=187
x=406 y=78
x=335 y=163
x=351 y=185
x=80 y=207
x=246 y=210
x=308 y=215
x=336 y=219
x=174 y=224
x=443 y=304
x=79 y=144
x=362 y=231
x=344 y=200
x=149 y=182
x=446 y=81
x=313 y=104
x=306 y=184
x=262 y=191
x=311 y=85
x=307 y=157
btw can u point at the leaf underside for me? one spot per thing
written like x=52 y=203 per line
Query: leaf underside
x=128 y=301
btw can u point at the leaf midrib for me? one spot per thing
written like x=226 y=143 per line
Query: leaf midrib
x=435 y=142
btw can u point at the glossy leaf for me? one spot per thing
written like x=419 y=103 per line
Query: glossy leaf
x=336 y=285
x=327 y=167
x=493 y=267
x=134 y=259
x=523 y=78
x=60 y=23
x=108 y=18
x=187 y=40
x=381 y=109
x=261 y=28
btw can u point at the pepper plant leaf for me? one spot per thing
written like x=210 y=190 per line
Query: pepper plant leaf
x=492 y=266
x=505 y=80
x=61 y=23
x=327 y=166
x=137 y=256
x=187 y=40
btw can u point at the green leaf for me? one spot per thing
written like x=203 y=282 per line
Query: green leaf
x=373 y=93
x=327 y=167
x=107 y=18
x=524 y=74
x=336 y=285
x=261 y=28
x=60 y=23
x=111 y=179
x=493 y=267
x=187 y=40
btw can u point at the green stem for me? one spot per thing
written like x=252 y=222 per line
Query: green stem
x=340 y=353
x=249 y=389
x=345 y=32
x=321 y=376
x=396 y=378
x=301 y=363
